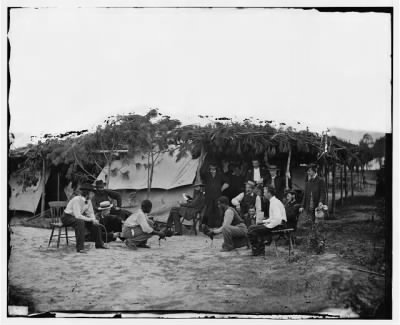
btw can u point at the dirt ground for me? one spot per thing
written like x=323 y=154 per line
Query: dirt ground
x=189 y=273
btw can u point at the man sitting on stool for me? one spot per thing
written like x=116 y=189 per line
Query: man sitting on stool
x=257 y=233
x=233 y=228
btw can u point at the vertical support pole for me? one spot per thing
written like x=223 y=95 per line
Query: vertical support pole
x=288 y=169
x=43 y=187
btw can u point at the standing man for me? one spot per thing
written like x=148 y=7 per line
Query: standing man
x=292 y=209
x=236 y=181
x=314 y=193
x=257 y=233
x=233 y=228
x=79 y=214
x=215 y=183
x=258 y=174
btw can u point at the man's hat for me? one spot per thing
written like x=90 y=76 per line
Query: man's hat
x=100 y=183
x=251 y=183
x=293 y=192
x=87 y=187
x=314 y=167
x=272 y=167
x=105 y=205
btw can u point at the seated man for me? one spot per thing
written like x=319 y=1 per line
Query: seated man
x=246 y=199
x=113 y=221
x=138 y=228
x=79 y=215
x=107 y=235
x=277 y=215
x=233 y=228
x=187 y=210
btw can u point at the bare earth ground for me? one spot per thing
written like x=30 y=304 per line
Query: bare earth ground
x=189 y=273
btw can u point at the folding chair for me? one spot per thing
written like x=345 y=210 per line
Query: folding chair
x=56 y=211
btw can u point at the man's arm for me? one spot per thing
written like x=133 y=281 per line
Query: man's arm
x=76 y=208
x=237 y=199
x=115 y=196
x=228 y=218
x=144 y=224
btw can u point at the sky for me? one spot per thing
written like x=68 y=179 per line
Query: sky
x=71 y=68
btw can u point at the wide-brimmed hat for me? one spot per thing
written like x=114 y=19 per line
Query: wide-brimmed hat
x=100 y=183
x=272 y=167
x=87 y=187
x=105 y=205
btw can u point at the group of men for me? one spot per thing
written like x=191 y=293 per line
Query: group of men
x=248 y=212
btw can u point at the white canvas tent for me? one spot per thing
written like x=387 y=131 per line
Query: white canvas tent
x=28 y=199
x=171 y=179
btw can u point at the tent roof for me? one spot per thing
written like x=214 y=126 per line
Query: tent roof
x=131 y=173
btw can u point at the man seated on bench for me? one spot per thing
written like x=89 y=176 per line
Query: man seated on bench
x=187 y=210
x=262 y=230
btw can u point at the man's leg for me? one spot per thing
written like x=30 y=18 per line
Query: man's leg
x=79 y=227
x=231 y=233
x=255 y=235
x=175 y=217
x=96 y=233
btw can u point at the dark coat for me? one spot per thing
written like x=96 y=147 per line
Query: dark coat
x=316 y=186
x=292 y=214
x=105 y=195
x=264 y=173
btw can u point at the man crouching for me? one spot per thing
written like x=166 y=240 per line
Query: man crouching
x=138 y=228
x=233 y=228
x=260 y=233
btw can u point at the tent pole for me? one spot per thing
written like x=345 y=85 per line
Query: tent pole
x=345 y=181
x=43 y=187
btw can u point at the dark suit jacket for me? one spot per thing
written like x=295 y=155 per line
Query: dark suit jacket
x=264 y=173
x=316 y=186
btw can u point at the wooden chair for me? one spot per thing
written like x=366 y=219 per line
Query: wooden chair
x=56 y=211
x=195 y=222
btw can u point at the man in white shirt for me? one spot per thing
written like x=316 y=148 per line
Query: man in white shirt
x=138 y=228
x=79 y=214
x=262 y=230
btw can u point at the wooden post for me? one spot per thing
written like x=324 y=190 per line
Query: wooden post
x=341 y=185
x=288 y=169
x=42 y=207
x=352 y=182
x=345 y=181
x=333 y=188
x=326 y=167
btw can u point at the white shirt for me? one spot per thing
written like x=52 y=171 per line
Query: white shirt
x=257 y=176
x=139 y=219
x=277 y=213
x=80 y=208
